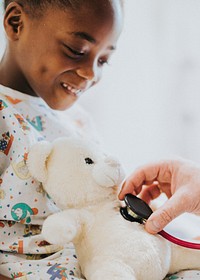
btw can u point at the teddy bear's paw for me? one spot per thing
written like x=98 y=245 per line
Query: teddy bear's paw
x=113 y=275
x=115 y=270
x=69 y=232
x=57 y=232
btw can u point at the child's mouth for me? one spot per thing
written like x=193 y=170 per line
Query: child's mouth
x=71 y=90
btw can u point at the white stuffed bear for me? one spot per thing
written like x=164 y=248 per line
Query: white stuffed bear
x=84 y=182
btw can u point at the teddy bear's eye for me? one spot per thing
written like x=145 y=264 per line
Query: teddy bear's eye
x=89 y=160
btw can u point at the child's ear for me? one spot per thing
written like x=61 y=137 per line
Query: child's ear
x=37 y=160
x=13 y=20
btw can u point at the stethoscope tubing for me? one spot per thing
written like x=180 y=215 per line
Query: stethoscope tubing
x=140 y=212
x=178 y=241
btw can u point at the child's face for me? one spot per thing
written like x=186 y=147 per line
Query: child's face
x=61 y=54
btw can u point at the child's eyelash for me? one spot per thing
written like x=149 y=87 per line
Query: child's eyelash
x=75 y=52
x=103 y=61
x=78 y=54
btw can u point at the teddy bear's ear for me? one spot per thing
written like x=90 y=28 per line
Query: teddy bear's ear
x=37 y=159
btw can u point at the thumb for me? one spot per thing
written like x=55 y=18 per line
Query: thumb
x=171 y=209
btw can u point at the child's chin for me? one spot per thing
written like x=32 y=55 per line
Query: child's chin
x=60 y=106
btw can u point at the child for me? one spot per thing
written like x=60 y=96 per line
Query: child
x=55 y=51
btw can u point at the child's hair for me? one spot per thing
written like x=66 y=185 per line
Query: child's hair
x=35 y=7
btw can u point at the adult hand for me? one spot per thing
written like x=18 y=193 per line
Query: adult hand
x=178 y=179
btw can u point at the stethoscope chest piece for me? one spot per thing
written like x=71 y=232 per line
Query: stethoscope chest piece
x=136 y=210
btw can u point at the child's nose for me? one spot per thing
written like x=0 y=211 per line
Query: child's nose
x=90 y=73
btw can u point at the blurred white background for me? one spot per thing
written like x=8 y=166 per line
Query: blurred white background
x=147 y=105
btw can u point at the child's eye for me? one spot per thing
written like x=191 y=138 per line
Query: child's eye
x=72 y=53
x=89 y=161
x=102 y=61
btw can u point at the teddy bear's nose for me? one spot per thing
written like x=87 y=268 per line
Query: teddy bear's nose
x=113 y=162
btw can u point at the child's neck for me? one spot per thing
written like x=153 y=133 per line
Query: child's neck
x=12 y=77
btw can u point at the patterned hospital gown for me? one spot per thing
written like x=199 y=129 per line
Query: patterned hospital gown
x=24 y=205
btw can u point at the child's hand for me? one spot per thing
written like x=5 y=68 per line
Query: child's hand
x=178 y=179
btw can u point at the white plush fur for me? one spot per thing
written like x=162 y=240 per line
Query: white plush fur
x=108 y=247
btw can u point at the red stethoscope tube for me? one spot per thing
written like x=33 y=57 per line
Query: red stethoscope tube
x=178 y=241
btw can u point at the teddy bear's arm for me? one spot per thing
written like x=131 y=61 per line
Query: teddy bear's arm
x=65 y=226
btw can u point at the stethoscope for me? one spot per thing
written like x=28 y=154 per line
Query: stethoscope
x=137 y=210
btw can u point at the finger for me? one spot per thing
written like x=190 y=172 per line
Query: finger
x=146 y=175
x=165 y=214
x=149 y=193
x=165 y=188
x=127 y=187
x=133 y=184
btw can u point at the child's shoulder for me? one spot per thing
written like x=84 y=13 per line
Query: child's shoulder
x=13 y=96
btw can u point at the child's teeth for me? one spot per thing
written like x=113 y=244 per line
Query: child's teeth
x=73 y=90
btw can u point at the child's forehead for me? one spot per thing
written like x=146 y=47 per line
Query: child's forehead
x=97 y=12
